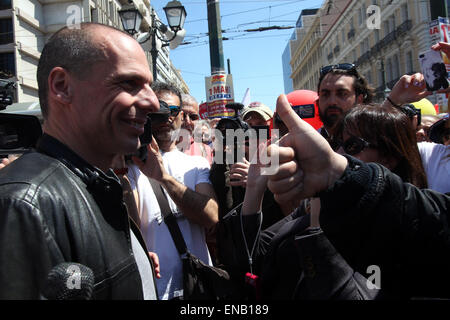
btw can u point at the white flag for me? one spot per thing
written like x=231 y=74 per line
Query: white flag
x=246 y=100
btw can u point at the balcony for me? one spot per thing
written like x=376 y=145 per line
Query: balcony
x=400 y=31
x=389 y=38
x=404 y=28
x=365 y=57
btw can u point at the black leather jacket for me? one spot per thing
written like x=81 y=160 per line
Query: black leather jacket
x=55 y=207
x=370 y=217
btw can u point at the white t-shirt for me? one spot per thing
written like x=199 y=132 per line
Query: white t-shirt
x=436 y=162
x=190 y=171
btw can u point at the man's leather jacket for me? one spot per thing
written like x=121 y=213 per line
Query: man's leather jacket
x=55 y=207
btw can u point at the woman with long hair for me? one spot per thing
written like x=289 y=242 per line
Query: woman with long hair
x=383 y=134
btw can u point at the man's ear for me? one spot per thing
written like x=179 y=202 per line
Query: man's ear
x=360 y=98
x=59 y=85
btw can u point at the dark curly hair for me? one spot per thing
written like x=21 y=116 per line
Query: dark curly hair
x=391 y=132
x=361 y=86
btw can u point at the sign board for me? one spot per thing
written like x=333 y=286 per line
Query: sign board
x=440 y=31
x=219 y=92
x=203 y=110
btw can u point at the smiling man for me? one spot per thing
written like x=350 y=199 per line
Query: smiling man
x=62 y=203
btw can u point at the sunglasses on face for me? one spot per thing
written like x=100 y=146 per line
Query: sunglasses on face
x=350 y=67
x=174 y=110
x=354 y=145
x=412 y=111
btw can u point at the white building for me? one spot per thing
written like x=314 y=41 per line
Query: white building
x=25 y=26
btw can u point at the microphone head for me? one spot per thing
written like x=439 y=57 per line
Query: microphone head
x=69 y=281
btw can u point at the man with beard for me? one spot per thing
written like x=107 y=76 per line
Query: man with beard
x=185 y=181
x=340 y=88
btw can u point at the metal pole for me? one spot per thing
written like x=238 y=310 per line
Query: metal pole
x=154 y=50
x=386 y=90
x=215 y=37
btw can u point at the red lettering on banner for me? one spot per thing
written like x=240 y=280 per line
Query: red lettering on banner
x=434 y=30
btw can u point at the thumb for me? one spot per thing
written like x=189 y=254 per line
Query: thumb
x=292 y=121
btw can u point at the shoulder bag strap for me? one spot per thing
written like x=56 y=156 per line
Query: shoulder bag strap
x=169 y=218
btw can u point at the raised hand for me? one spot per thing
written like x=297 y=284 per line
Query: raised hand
x=409 y=89
x=153 y=166
x=308 y=165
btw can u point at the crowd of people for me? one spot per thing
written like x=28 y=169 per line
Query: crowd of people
x=370 y=187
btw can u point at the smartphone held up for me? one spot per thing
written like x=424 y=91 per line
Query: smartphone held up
x=434 y=70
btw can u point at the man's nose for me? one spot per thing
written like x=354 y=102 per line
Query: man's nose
x=147 y=99
x=332 y=101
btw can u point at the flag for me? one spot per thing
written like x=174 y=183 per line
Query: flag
x=246 y=100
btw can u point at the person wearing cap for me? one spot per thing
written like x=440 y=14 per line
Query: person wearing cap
x=440 y=131
x=185 y=180
x=257 y=114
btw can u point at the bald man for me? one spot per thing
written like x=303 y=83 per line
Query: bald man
x=62 y=203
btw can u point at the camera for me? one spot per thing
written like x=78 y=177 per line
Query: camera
x=18 y=133
x=6 y=93
x=146 y=138
x=232 y=123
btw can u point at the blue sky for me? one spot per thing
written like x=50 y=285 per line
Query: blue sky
x=255 y=57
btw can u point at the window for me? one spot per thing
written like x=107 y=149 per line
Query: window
x=389 y=70
x=392 y=23
x=5 y=4
x=409 y=62
x=94 y=16
x=6 y=35
x=404 y=10
x=396 y=67
x=386 y=28
x=7 y=63
x=360 y=16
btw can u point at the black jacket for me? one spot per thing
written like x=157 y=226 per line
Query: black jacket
x=373 y=218
x=55 y=207
x=370 y=218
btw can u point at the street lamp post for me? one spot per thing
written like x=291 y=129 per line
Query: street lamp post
x=132 y=18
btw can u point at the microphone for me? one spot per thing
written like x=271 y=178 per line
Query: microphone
x=69 y=281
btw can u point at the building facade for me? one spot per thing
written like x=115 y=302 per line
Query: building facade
x=383 y=50
x=382 y=37
x=306 y=51
x=26 y=25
